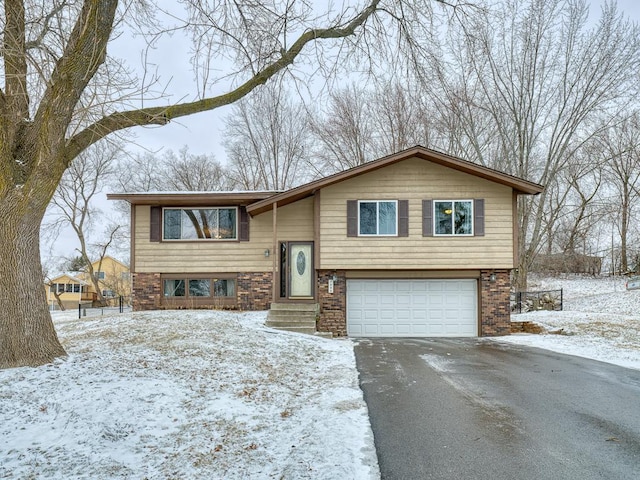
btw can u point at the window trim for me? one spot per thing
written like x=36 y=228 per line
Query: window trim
x=221 y=207
x=199 y=301
x=377 y=202
x=453 y=202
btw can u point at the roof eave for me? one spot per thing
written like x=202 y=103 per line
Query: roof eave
x=191 y=198
x=520 y=186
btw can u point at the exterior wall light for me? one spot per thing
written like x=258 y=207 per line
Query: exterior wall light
x=492 y=277
x=266 y=252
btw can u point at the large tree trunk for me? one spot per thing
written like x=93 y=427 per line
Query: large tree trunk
x=27 y=336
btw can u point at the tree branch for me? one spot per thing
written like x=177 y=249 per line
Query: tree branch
x=162 y=115
x=15 y=65
x=84 y=53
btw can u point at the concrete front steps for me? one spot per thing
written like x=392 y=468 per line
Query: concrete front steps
x=295 y=317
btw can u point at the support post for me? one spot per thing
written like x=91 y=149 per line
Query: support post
x=274 y=254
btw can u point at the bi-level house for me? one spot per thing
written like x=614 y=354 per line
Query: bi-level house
x=418 y=243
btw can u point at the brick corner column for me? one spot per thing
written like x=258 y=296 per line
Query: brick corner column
x=495 y=315
x=333 y=306
x=146 y=291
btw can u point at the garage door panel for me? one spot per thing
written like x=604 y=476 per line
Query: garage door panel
x=371 y=314
x=402 y=328
x=403 y=300
x=387 y=314
x=420 y=329
x=419 y=300
x=405 y=308
x=370 y=287
x=419 y=316
x=386 y=299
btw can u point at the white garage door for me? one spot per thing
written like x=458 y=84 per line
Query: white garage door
x=412 y=308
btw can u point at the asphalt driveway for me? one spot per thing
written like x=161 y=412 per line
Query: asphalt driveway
x=476 y=409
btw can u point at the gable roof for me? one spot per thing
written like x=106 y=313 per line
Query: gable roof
x=69 y=276
x=262 y=200
x=519 y=185
x=107 y=258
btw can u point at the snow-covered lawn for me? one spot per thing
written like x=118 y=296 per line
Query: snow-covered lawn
x=186 y=394
x=600 y=320
x=209 y=394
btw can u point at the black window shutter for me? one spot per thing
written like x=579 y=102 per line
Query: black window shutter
x=403 y=218
x=352 y=218
x=155 y=224
x=244 y=224
x=478 y=217
x=427 y=218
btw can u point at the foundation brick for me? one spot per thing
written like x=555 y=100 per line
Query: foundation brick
x=333 y=306
x=495 y=315
x=146 y=291
x=255 y=290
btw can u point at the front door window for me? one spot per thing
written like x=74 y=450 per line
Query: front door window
x=300 y=270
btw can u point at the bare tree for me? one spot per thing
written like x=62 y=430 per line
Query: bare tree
x=144 y=173
x=344 y=132
x=400 y=118
x=528 y=83
x=620 y=155
x=267 y=140
x=73 y=204
x=364 y=123
x=62 y=93
x=574 y=201
x=187 y=171
x=172 y=172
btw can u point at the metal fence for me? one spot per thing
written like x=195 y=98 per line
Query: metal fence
x=522 y=302
x=114 y=305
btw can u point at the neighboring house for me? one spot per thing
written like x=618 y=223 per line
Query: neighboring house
x=417 y=243
x=114 y=280
x=71 y=290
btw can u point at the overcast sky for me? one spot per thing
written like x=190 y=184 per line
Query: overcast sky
x=202 y=132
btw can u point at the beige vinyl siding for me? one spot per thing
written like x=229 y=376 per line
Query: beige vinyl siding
x=415 y=180
x=295 y=222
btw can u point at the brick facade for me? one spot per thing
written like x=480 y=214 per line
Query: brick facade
x=146 y=291
x=333 y=306
x=253 y=292
x=495 y=306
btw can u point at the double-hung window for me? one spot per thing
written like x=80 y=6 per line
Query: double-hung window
x=453 y=217
x=378 y=217
x=200 y=223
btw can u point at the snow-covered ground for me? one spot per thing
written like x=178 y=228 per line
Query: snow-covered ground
x=209 y=394
x=186 y=394
x=600 y=320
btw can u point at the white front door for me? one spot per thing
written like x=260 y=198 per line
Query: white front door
x=300 y=270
